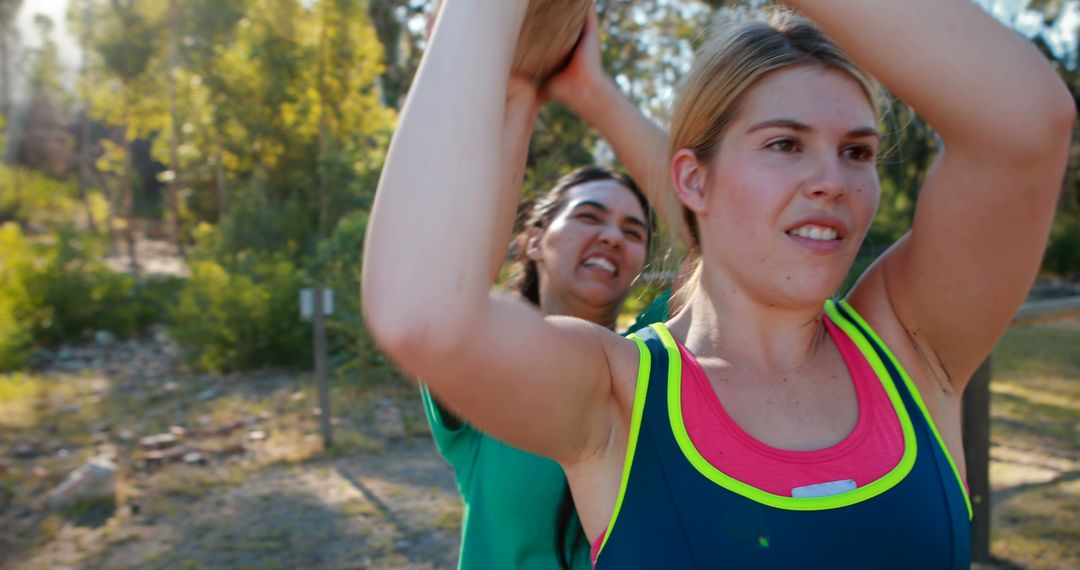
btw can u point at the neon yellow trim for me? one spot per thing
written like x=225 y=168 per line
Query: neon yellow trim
x=886 y=482
x=914 y=391
x=644 y=365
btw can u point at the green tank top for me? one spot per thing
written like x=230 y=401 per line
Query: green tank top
x=510 y=498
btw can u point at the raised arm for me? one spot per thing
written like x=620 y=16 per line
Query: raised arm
x=640 y=144
x=985 y=210
x=439 y=220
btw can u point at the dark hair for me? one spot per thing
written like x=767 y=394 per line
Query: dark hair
x=548 y=206
x=568 y=532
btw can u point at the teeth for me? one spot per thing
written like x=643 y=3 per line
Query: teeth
x=813 y=232
x=601 y=263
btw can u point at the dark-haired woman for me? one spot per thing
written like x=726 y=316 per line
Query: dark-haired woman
x=584 y=243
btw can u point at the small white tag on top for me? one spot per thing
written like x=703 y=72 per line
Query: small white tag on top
x=823 y=489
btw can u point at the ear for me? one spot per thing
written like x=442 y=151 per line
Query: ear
x=688 y=175
x=532 y=245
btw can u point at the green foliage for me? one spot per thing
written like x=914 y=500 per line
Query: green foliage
x=286 y=108
x=56 y=290
x=14 y=330
x=33 y=199
x=339 y=260
x=243 y=316
x=73 y=292
x=1063 y=254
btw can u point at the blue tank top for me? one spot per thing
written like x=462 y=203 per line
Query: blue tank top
x=675 y=510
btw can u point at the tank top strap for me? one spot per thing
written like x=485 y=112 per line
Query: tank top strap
x=876 y=351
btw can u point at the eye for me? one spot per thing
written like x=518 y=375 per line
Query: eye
x=634 y=234
x=784 y=145
x=588 y=217
x=859 y=153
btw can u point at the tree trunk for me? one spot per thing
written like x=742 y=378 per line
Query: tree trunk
x=219 y=167
x=5 y=74
x=388 y=29
x=174 y=142
x=128 y=188
x=111 y=198
x=84 y=126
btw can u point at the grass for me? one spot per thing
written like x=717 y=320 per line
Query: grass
x=1035 y=433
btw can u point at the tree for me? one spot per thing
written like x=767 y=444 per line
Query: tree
x=125 y=39
x=45 y=143
x=8 y=38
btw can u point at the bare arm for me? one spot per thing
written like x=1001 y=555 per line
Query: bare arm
x=438 y=222
x=984 y=212
x=642 y=146
x=522 y=107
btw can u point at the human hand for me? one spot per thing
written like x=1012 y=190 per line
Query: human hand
x=522 y=96
x=575 y=85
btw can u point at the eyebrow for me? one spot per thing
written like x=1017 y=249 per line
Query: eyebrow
x=804 y=128
x=594 y=204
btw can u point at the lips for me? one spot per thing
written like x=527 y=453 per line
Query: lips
x=819 y=228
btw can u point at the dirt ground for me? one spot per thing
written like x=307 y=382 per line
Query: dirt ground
x=263 y=493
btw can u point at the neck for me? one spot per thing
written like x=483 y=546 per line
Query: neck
x=732 y=325
x=603 y=315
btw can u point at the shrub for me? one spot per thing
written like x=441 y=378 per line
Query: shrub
x=15 y=335
x=33 y=199
x=55 y=289
x=243 y=318
x=71 y=291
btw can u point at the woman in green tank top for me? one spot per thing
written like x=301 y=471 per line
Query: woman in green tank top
x=584 y=244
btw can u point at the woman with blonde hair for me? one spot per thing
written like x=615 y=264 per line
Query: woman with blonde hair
x=765 y=425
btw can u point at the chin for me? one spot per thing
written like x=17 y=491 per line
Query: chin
x=802 y=293
x=601 y=296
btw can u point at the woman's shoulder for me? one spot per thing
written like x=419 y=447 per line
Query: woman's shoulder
x=870 y=299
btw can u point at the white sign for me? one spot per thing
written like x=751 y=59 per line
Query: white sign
x=307 y=302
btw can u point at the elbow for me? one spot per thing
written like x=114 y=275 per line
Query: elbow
x=1051 y=133
x=392 y=325
x=409 y=332
x=1062 y=115
x=1033 y=131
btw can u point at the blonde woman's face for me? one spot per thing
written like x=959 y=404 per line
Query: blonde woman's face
x=792 y=189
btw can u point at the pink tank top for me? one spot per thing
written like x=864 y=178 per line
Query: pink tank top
x=869 y=452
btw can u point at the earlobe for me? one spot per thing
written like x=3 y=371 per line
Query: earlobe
x=532 y=246
x=688 y=176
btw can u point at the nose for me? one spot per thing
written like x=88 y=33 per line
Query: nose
x=611 y=235
x=826 y=180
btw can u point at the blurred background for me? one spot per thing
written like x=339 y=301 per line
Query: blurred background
x=176 y=172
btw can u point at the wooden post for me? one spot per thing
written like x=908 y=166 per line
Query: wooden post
x=976 y=412
x=318 y=322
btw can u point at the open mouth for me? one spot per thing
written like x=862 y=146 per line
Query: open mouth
x=601 y=263
x=815 y=232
